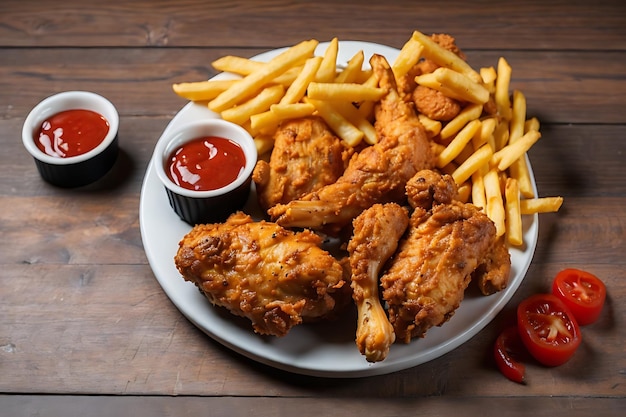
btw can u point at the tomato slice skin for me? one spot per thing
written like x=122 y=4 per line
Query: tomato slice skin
x=507 y=352
x=548 y=329
x=582 y=292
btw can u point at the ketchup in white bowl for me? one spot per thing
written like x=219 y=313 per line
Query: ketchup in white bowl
x=71 y=133
x=206 y=163
x=73 y=137
x=206 y=169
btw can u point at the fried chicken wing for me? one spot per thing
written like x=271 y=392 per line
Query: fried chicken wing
x=274 y=277
x=494 y=272
x=377 y=231
x=306 y=156
x=427 y=278
x=428 y=188
x=377 y=174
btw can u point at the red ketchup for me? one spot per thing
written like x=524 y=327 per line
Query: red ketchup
x=206 y=163
x=71 y=133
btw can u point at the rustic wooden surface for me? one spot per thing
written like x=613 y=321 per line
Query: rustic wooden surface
x=85 y=328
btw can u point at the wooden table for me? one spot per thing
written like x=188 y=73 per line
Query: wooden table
x=86 y=329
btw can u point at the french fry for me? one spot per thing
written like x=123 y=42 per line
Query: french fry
x=495 y=205
x=506 y=156
x=460 y=86
x=256 y=80
x=518 y=116
x=328 y=68
x=351 y=92
x=297 y=89
x=258 y=104
x=352 y=71
x=478 y=190
x=472 y=164
x=338 y=123
x=202 y=90
x=455 y=147
x=407 y=58
x=500 y=135
x=351 y=113
x=263 y=143
x=445 y=58
x=489 y=75
x=514 y=232
x=531 y=124
x=469 y=113
x=292 y=111
x=464 y=192
x=541 y=205
x=503 y=102
x=237 y=65
x=433 y=127
x=485 y=135
x=262 y=123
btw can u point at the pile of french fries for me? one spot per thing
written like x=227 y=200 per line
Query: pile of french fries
x=484 y=153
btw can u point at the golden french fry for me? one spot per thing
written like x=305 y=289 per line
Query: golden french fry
x=461 y=86
x=257 y=104
x=518 y=116
x=433 y=127
x=478 y=190
x=328 y=68
x=472 y=164
x=351 y=92
x=237 y=65
x=407 y=58
x=531 y=124
x=293 y=110
x=297 y=89
x=455 y=147
x=257 y=80
x=202 y=90
x=506 y=156
x=469 y=113
x=351 y=113
x=445 y=58
x=501 y=135
x=541 y=205
x=366 y=108
x=264 y=143
x=339 y=124
x=352 y=71
x=264 y=122
x=495 y=204
x=514 y=231
x=485 y=135
x=489 y=75
x=503 y=81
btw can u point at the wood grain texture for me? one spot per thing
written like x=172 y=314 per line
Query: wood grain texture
x=85 y=328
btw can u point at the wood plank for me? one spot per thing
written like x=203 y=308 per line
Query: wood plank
x=599 y=25
x=555 y=93
x=101 y=406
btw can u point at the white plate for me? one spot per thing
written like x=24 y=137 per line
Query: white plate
x=325 y=349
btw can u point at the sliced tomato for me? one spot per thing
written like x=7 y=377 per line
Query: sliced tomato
x=507 y=352
x=582 y=292
x=548 y=329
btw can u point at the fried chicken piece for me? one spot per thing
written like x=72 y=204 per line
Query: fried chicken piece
x=376 y=234
x=427 y=278
x=377 y=174
x=306 y=156
x=434 y=104
x=493 y=274
x=274 y=277
x=428 y=188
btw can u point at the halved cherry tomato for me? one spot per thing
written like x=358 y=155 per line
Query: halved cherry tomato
x=548 y=329
x=507 y=353
x=583 y=293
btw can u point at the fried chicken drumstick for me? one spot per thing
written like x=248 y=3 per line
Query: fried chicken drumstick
x=377 y=231
x=275 y=277
x=377 y=174
x=448 y=244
